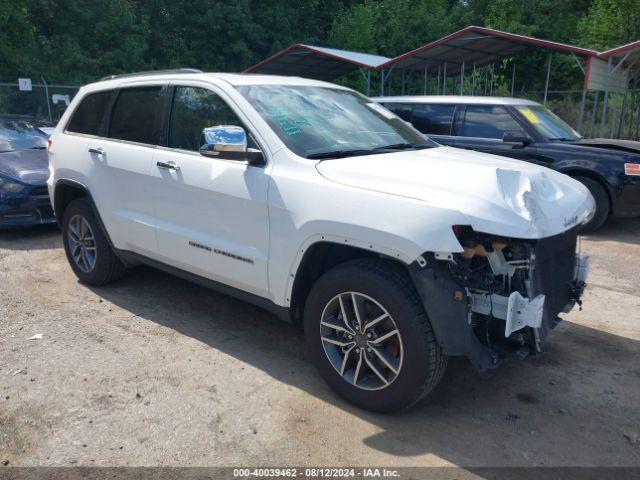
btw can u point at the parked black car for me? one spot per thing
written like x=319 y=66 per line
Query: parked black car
x=24 y=169
x=526 y=130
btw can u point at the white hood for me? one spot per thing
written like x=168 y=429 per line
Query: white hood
x=492 y=194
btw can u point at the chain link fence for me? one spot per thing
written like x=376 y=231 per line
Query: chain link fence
x=622 y=119
x=44 y=102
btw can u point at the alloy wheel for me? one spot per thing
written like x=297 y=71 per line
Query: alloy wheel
x=82 y=243
x=361 y=340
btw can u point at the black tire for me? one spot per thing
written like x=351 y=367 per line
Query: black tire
x=423 y=362
x=603 y=204
x=108 y=266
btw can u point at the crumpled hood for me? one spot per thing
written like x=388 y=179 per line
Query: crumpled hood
x=492 y=194
x=27 y=166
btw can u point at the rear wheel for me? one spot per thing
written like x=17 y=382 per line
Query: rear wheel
x=370 y=338
x=603 y=204
x=85 y=243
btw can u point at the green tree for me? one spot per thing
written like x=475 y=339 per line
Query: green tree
x=79 y=41
x=17 y=39
x=610 y=23
x=391 y=27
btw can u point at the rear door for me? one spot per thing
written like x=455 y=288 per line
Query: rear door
x=481 y=128
x=122 y=184
x=434 y=120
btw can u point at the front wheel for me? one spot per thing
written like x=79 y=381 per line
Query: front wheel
x=370 y=338
x=603 y=204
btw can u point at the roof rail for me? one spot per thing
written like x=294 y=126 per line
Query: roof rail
x=152 y=72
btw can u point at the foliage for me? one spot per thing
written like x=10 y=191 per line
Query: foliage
x=76 y=41
x=610 y=23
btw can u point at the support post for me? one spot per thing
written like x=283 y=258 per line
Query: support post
x=546 y=83
x=614 y=113
x=623 y=113
x=426 y=78
x=46 y=93
x=513 y=77
x=444 y=79
x=493 y=67
x=402 y=85
x=462 y=79
x=594 y=113
x=486 y=80
x=382 y=83
x=473 y=80
x=368 y=82
x=605 y=100
x=581 y=114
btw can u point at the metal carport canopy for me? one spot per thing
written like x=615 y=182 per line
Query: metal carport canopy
x=629 y=54
x=316 y=62
x=474 y=46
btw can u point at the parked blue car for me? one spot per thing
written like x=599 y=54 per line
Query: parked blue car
x=24 y=169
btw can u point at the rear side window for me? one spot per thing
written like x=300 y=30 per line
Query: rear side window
x=488 y=121
x=135 y=115
x=89 y=115
x=433 y=119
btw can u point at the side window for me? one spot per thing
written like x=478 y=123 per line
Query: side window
x=403 y=110
x=134 y=116
x=488 y=121
x=194 y=109
x=434 y=119
x=89 y=115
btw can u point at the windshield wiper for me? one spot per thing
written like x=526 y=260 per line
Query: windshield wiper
x=402 y=146
x=371 y=151
x=338 y=154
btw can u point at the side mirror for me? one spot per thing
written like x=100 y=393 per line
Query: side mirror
x=228 y=142
x=517 y=137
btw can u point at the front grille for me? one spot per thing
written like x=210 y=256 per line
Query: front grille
x=554 y=268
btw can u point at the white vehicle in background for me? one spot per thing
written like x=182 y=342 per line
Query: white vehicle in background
x=312 y=201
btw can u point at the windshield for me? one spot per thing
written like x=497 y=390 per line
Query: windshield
x=547 y=123
x=21 y=134
x=319 y=122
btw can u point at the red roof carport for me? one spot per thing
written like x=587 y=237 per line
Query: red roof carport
x=320 y=63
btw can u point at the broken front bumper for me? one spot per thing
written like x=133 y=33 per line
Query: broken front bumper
x=486 y=325
x=519 y=312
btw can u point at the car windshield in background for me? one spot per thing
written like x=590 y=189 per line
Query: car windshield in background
x=319 y=122
x=21 y=134
x=547 y=123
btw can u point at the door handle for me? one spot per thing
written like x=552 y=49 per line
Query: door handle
x=97 y=151
x=169 y=165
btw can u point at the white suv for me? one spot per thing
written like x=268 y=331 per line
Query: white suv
x=312 y=201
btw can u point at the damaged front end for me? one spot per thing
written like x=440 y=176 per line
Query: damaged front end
x=500 y=296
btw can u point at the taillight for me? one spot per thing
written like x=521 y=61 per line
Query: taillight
x=48 y=145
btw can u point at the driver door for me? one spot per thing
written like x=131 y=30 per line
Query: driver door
x=211 y=212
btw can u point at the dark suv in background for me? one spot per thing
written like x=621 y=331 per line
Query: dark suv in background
x=526 y=130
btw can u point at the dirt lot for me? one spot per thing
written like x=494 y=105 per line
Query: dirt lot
x=156 y=371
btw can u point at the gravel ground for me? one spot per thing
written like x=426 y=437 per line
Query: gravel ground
x=156 y=371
